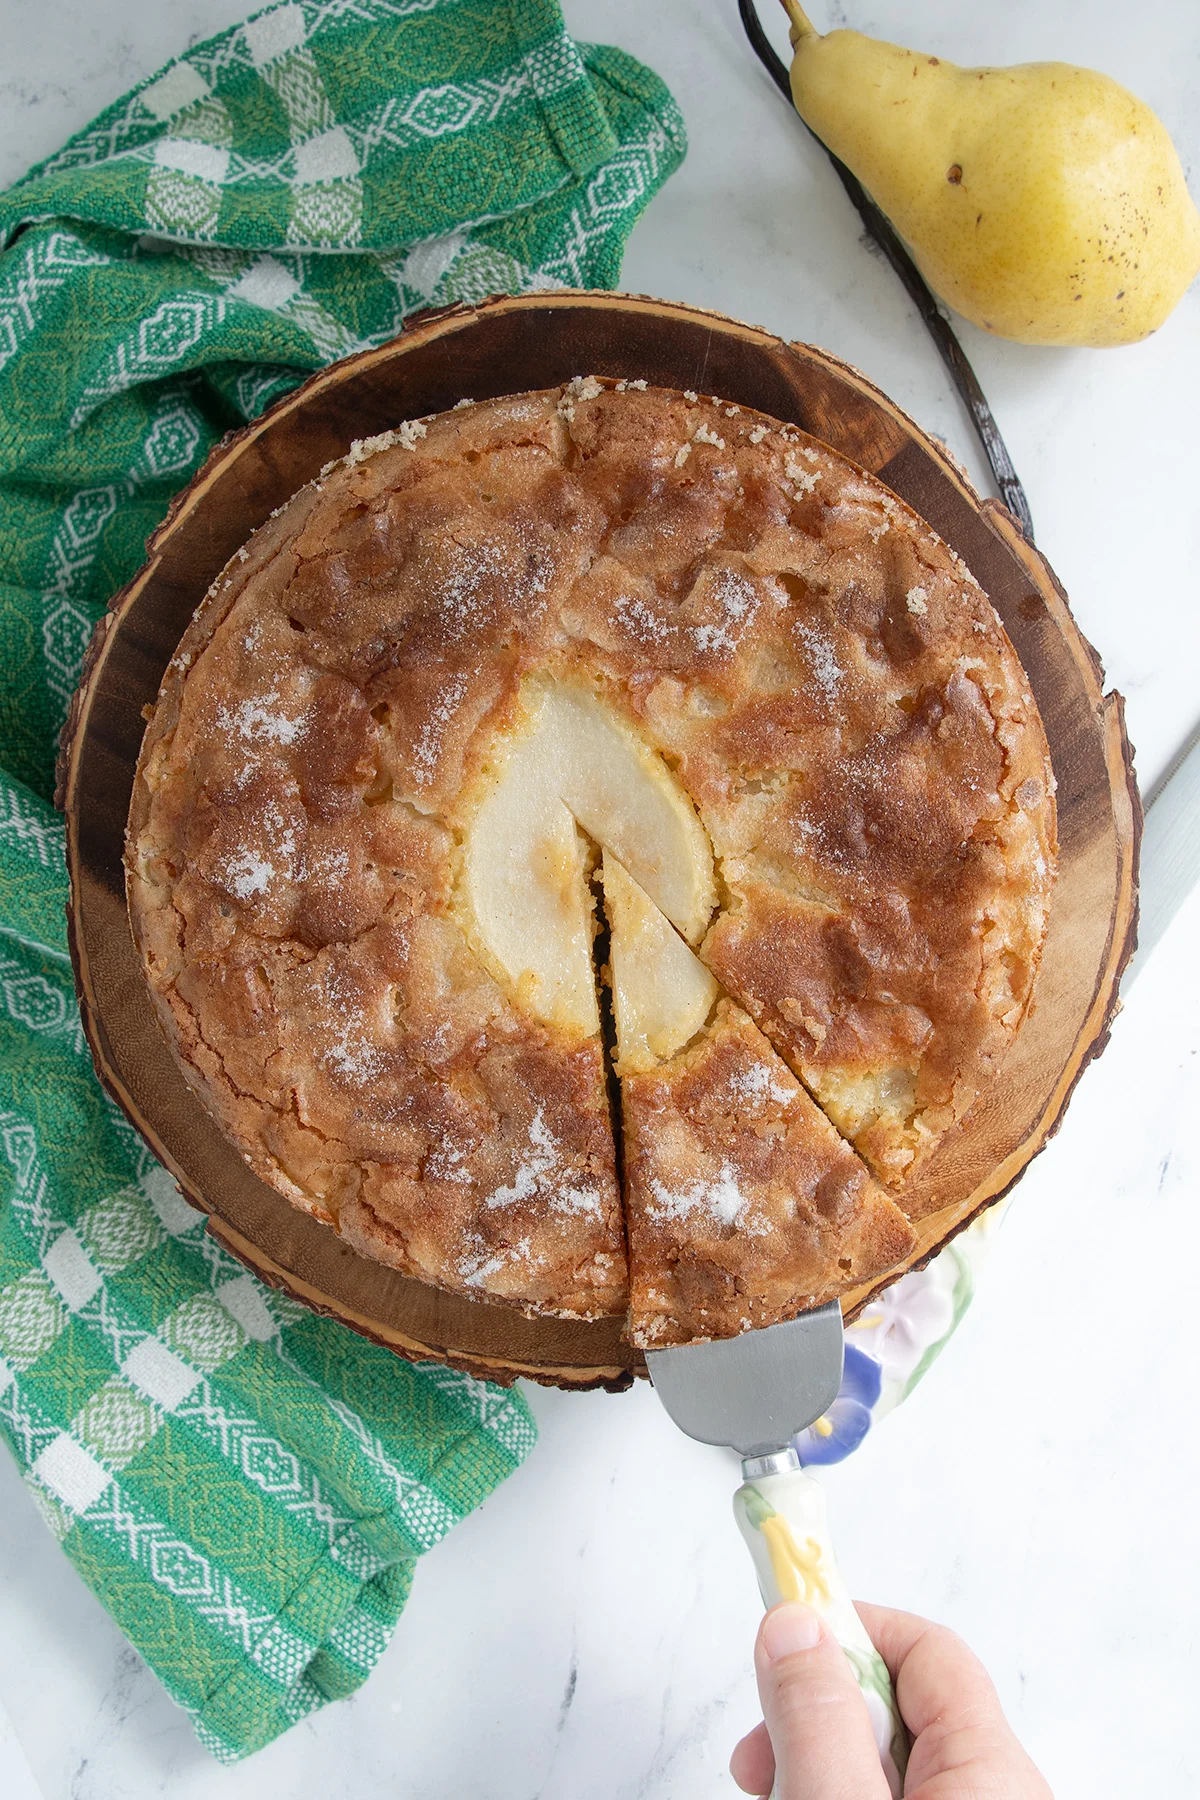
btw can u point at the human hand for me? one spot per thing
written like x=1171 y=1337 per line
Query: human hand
x=816 y=1742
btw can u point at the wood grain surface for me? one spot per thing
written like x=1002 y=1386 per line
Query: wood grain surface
x=504 y=346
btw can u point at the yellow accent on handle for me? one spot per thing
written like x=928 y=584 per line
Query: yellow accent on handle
x=799 y=1574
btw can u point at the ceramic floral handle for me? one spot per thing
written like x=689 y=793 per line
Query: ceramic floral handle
x=782 y=1518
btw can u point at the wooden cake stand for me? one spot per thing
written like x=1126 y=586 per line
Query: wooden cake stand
x=502 y=347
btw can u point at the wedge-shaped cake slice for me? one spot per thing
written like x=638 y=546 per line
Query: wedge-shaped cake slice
x=743 y=1205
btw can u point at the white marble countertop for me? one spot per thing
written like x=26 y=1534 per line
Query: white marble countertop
x=587 y=1634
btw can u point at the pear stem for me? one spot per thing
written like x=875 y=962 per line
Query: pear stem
x=801 y=25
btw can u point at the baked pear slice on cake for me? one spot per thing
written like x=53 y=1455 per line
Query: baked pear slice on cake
x=661 y=992
x=569 y=765
x=743 y=1206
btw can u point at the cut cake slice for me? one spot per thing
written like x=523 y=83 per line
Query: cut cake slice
x=743 y=1206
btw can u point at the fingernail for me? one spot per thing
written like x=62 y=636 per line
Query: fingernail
x=788 y=1629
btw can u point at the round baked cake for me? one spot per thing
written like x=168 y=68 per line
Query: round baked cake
x=589 y=849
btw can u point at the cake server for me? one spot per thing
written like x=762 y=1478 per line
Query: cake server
x=754 y=1393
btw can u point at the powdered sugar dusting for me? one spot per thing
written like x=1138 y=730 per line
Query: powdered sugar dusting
x=278 y=828
x=917 y=600
x=463 y=599
x=826 y=670
x=253 y=719
x=445 y=1163
x=477 y=1269
x=531 y=1175
x=248 y=874
x=428 y=747
x=638 y=619
x=760 y=1083
x=721 y=1198
x=534 y=1179
x=739 y=603
x=252 y=870
x=353 y=1056
x=477 y=1264
x=582 y=1202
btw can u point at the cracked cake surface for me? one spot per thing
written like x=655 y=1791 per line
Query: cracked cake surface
x=806 y=687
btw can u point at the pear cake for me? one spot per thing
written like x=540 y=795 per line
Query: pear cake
x=589 y=849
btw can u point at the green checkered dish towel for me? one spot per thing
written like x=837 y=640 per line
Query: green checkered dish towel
x=246 y=1487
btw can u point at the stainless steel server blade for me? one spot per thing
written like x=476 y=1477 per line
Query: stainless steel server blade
x=754 y=1392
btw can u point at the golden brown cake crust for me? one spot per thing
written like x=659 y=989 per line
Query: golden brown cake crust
x=828 y=682
x=744 y=1205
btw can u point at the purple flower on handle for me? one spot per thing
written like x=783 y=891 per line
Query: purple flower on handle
x=843 y=1428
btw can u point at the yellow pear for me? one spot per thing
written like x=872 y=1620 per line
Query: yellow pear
x=1044 y=202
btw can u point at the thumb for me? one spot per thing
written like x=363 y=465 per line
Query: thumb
x=816 y=1717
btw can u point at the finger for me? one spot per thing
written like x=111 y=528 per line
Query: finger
x=892 y=1632
x=817 y=1719
x=951 y=1707
x=752 y=1764
x=938 y=1679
